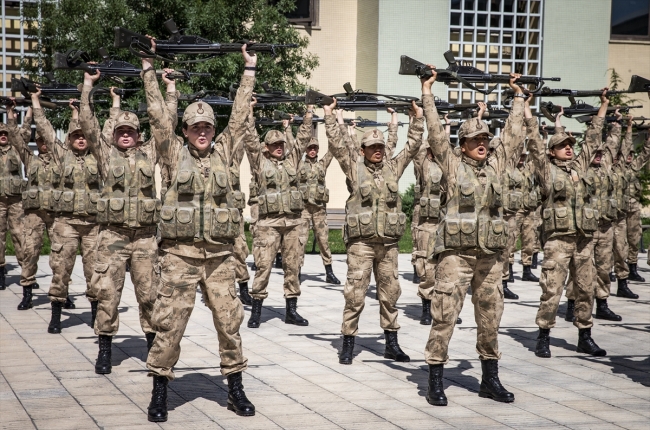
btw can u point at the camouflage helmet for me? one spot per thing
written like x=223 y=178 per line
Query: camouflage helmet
x=274 y=136
x=3 y=127
x=313 y=142
x=372 y=137
x=558 y=138
x=128 y=119
x=473 y=127
x=73 y=126
x=198 y=112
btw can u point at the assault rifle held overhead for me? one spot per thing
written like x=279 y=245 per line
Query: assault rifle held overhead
x=182 y=44
x=24 y=101
x=638 y=84
x=278 y=116
x=585 y=119
x=464 y=74
x=578 y=107
x=76 y=59
x=54 y=88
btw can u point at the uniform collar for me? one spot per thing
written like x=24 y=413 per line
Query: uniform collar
x=199 y=154
x=373 y=166
x=472 y=162
x=5 y=148
x=562 y=164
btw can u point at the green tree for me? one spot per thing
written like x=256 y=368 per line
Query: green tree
x=88 y=25
x=407 y=201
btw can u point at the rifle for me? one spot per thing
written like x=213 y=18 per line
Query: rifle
x=179 y=43
x=358 y=100
x=25 y=101
x=54 y=88
x=578 y=107
x=76 y=59
x=278 y=116
x=587 y=119
x=465 y=74
x=270 y=96
x=550 y=129
x=638 y=84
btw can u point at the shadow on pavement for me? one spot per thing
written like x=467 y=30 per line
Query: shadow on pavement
x=192 y=386
x=452 y=376
x=635 y=367
x=528 y=339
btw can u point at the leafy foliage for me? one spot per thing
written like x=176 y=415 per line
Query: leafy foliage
x=85 y=25
x=408 y=197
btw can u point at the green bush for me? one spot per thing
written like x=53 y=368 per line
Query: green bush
x=407 y=201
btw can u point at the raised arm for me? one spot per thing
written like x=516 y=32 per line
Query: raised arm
x=337 y=144
x=437 y=138
x=87 y=119
x=46 y=130
x=326 y=160
x=17 y=137
x=391 y=141
x=414 y=140
x=643 y=157
x=305 y=133
x=593 y=136
x=26 y=127
x=540 y=164
x=628 y=145
x=512 y=136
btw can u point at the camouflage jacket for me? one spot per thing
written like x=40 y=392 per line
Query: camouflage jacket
x=633 y=168
x=311 y=175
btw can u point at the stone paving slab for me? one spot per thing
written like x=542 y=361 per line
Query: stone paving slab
x=294 y=378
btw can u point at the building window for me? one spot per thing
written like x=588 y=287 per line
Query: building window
x=305 y=13
x=630 y=19
x=496 y=36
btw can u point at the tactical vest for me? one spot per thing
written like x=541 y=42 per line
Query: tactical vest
x=373 y=212
x=514 y=183
x=79 y=186
x=472 y=218
x=569 y=208
x=622 y=190
x=197 y=208
x=129 y=197
x=311 y=177
x=11 y=181
x=635 y=186
x=278 y=192
x=239 y=197
x=427 y=192
x=530 y=192
x=605 y=201
x=41 y=179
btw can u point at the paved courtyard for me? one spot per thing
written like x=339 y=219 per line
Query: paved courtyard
x=294 y=378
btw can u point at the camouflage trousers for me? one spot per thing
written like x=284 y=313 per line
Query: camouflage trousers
x=415 y=219
x=255 y=214
x=11 y=218
x=537 y=246
x=116 y=247
x=602 y=239
x=634 y=233
x=266 y=243
x=561 y=254
x=35 y=224
x=317 y=216
x=174 y=304
x=526 y=228
x=425 y=267
x=456 y=272
x=620 y=248
x=511 y=219
x=69 y=234
x=240 y=252
x=362 y=258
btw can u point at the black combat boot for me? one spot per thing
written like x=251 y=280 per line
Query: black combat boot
x=69 y=303
x=624 y=290
x=425 y=319
x=347 y=352
x=507 y=294
x=256 y=313
x=93 y=313
x=612 y=276
x=291 y=315
x=393 y=351
x=150 y=338
x=103 y=364
x=243 y=294
x=26 y=303
x=570 y=307
x=459 y=321
x=3 y=285
x=603 y=312
x=511 y=278
x=35 y=286
x=533 y=264
x=278 y=261
x=436 y=392
x=634 y=274
x=527 y=275
x=55 y=321
x=157 y=411
x=237 y=400
x=491 y=386
x=543 y=348
x=416 y=277
x=587 y=345
x=330 y=278
x=254 y=267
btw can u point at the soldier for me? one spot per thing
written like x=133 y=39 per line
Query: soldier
x=199 y=224
x=11 y=209
x=569 y=222
x=76 y=189
x=374 y=223
x=525 y=222
x=634 y=232
x=37 y=200
x=279 y=225
x=470 y=239
x=128 y=212
x=311 y=177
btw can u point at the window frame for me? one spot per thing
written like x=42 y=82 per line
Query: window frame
x=632 y=37
x=313 y=20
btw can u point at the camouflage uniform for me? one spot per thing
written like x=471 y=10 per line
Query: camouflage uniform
x=472 y=234
x=199 y=224
x=634 y=230
x=11 y=208
x=373 y=225
x=619 y=178
x=526 y=222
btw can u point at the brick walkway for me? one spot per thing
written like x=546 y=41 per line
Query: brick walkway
x=295 y=381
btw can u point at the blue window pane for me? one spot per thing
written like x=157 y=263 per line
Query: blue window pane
x=630 y=17
x=455 y=19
